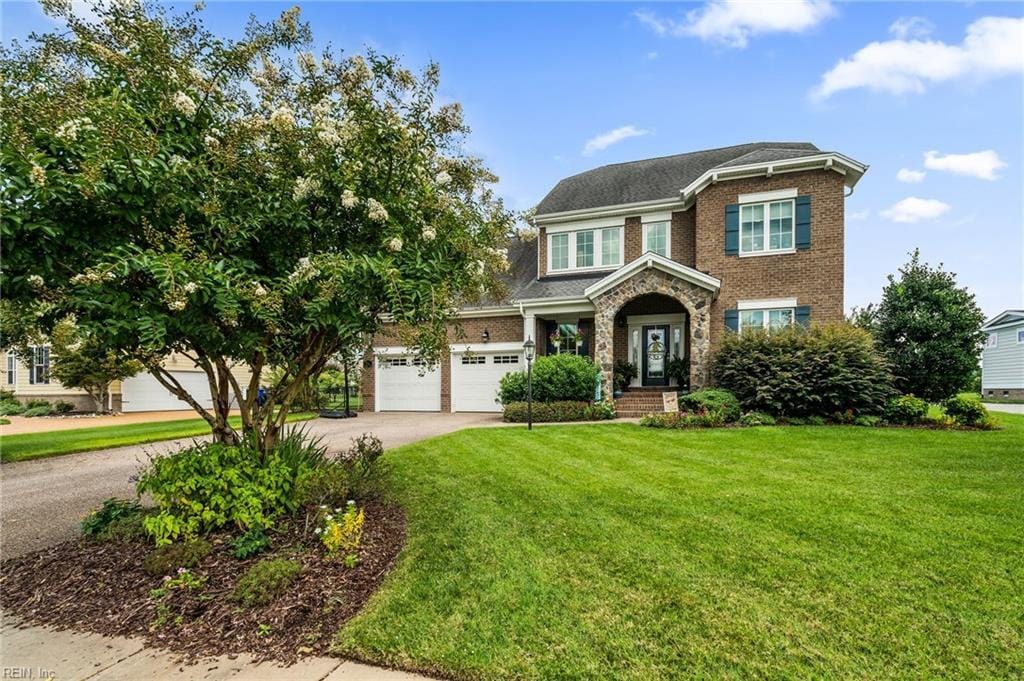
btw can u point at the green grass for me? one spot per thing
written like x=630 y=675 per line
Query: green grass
x=614 y=551
x=54 y=443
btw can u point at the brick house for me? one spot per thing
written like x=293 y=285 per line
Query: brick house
x=646 y=261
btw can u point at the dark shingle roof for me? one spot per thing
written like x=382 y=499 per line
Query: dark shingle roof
x=656 y=178
x=558 y=287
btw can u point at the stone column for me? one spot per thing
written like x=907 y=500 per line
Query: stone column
x=700 y=343
x=604 y=356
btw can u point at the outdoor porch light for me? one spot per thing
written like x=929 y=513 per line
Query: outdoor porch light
x=486 y=335
x=528 y=347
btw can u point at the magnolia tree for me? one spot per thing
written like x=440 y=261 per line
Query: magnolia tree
x=241 y=202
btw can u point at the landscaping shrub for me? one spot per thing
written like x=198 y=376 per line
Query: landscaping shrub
x=5 y=422
x=126 y=529
x=712 y=399
x=868 y=421
x=560 y=378
x=342 y=532
x=112 y=509
x=62 y=407
x=684 y=419
x=558 y=412
x=967 y=411
x=815 y=421
x=41 y=410
x=512 y=387
x=364 y=468
x=166 y=559
x=757 y=418
x=208 y=485
x=252 y=543
x=265 y=581
x=11 y=408
x=804 y=372
x=625 y=372
x=905 y=410
x=300 y=451
x=326 y=485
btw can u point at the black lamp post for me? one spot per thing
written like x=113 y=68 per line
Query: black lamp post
x=528 y=349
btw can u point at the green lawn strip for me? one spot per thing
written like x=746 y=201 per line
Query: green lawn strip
x=54 y=443
x=616 y=551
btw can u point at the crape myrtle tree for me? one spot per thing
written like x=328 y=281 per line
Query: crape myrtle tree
x=235 y=201
x=930 y=330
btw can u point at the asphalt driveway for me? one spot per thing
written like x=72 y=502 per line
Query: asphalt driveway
x=42 y=501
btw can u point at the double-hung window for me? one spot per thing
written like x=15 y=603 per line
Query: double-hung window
x=585 y=249
x=1020 y=336
x=766 y=227
x=992 y=341
x=656 y=238
x=39 y=371
x=766 y=320
x=12 y=368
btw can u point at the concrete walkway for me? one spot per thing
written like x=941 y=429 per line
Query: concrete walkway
x=1005 y=407
x=20 y=425
x=40 y=653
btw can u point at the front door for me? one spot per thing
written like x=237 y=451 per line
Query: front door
x=655 y=355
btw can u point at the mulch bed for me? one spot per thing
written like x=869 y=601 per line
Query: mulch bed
x=102 y=587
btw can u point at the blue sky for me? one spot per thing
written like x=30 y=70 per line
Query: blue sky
x=540 y=81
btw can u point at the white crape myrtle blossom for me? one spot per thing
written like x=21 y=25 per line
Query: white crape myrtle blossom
x=282 y=118
x=258 y=290
x=303 y=270
x=429 y=234
x=191 y=287
x=178 y=304
x=307 y=62
x=211 y=142
x=35 y=281
x=443 y=179
x=376 y=211
x=69 y=130
x=184 y=104
x=38 y=175
x=395 y=244
x=349 y=199
x=304 y=187
x=175 y=160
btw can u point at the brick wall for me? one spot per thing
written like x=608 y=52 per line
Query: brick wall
x=504 y=329
x=633 y=238
x=814 y=276
x=684 y=237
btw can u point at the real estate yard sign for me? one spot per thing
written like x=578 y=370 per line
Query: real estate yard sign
x=671 y=401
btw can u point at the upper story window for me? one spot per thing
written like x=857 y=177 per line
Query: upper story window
x=767 y=320
x=1020 y=336
x=12 y=368
x=992 y=340
x=39 y=370
x=585 y=249
x=656 y=238
x=766 y=227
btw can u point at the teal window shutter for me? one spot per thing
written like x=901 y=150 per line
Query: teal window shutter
x=803 y=222
x=732 y=320
x=802 y=315
x=732 y=229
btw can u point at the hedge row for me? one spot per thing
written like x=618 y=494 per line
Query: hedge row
x=559 y=412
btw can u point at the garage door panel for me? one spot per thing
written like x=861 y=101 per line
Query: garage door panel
x=476 y=378
x=144 y=393
x=407 y=385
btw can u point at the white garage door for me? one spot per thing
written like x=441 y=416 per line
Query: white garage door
x=402 y=388
x=475 y=379
x=144 y=393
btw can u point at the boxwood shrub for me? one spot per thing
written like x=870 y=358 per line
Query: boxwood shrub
x=967 y=411
x=556 y=378
x=716 y=400
x=559 y=412
x=797 y=372
x=906 y=410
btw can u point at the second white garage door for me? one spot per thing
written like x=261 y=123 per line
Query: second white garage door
x=142 y=392
x=475 y=379
x=403 y=388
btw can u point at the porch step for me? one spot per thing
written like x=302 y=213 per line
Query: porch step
x=640 y=402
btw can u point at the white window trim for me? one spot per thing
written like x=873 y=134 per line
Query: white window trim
x=761 y=197
x=598 y=239
x=766 y=304
x=765 y=321
x=1019 y=341
x=766 y=227
x=668 y=236
x=11 y=370
x=992 y=341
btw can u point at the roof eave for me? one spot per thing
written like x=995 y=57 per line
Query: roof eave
x=606 y=211
x=653 y=260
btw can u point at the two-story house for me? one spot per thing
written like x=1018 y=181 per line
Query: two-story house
x=646 y=261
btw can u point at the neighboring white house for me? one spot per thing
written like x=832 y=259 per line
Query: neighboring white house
x=1002 y=359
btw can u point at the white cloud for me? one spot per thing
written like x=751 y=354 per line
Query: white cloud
x=911 y=27
x=733 y=22
x=991 y=48
x=652 y=55
x=606 y=139
x=980 y=164
x=859 y=215
x=911 y=176
x=913 y=209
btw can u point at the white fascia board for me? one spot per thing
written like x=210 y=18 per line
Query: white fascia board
x=542 y=306
x=497 y=311
x=622 y=209
x=767 y=304
x=479 y=348
x=1000 y=321
x=649 y=260
x=761 y=197
x=844 y=165
x=592 y=223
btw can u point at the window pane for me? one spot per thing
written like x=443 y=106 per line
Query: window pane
x=567 y=334
x=610 y=246
x=559 y=251
x=751 y=319
x=778 y=319
x=584 y=249
x=657 y=238
x=780 y=232
x=752 y=228
x=1020 y=335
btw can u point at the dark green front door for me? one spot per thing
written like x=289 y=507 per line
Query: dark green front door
x=655 y=355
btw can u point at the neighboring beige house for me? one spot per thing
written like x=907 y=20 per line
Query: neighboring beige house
x=31 y=381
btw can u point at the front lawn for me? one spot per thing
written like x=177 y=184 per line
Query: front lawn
x=613 y=551
x=53 y=443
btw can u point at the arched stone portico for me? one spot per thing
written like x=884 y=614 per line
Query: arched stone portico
x=653 y=280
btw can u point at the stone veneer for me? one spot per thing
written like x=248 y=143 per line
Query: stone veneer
x=695 y=299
